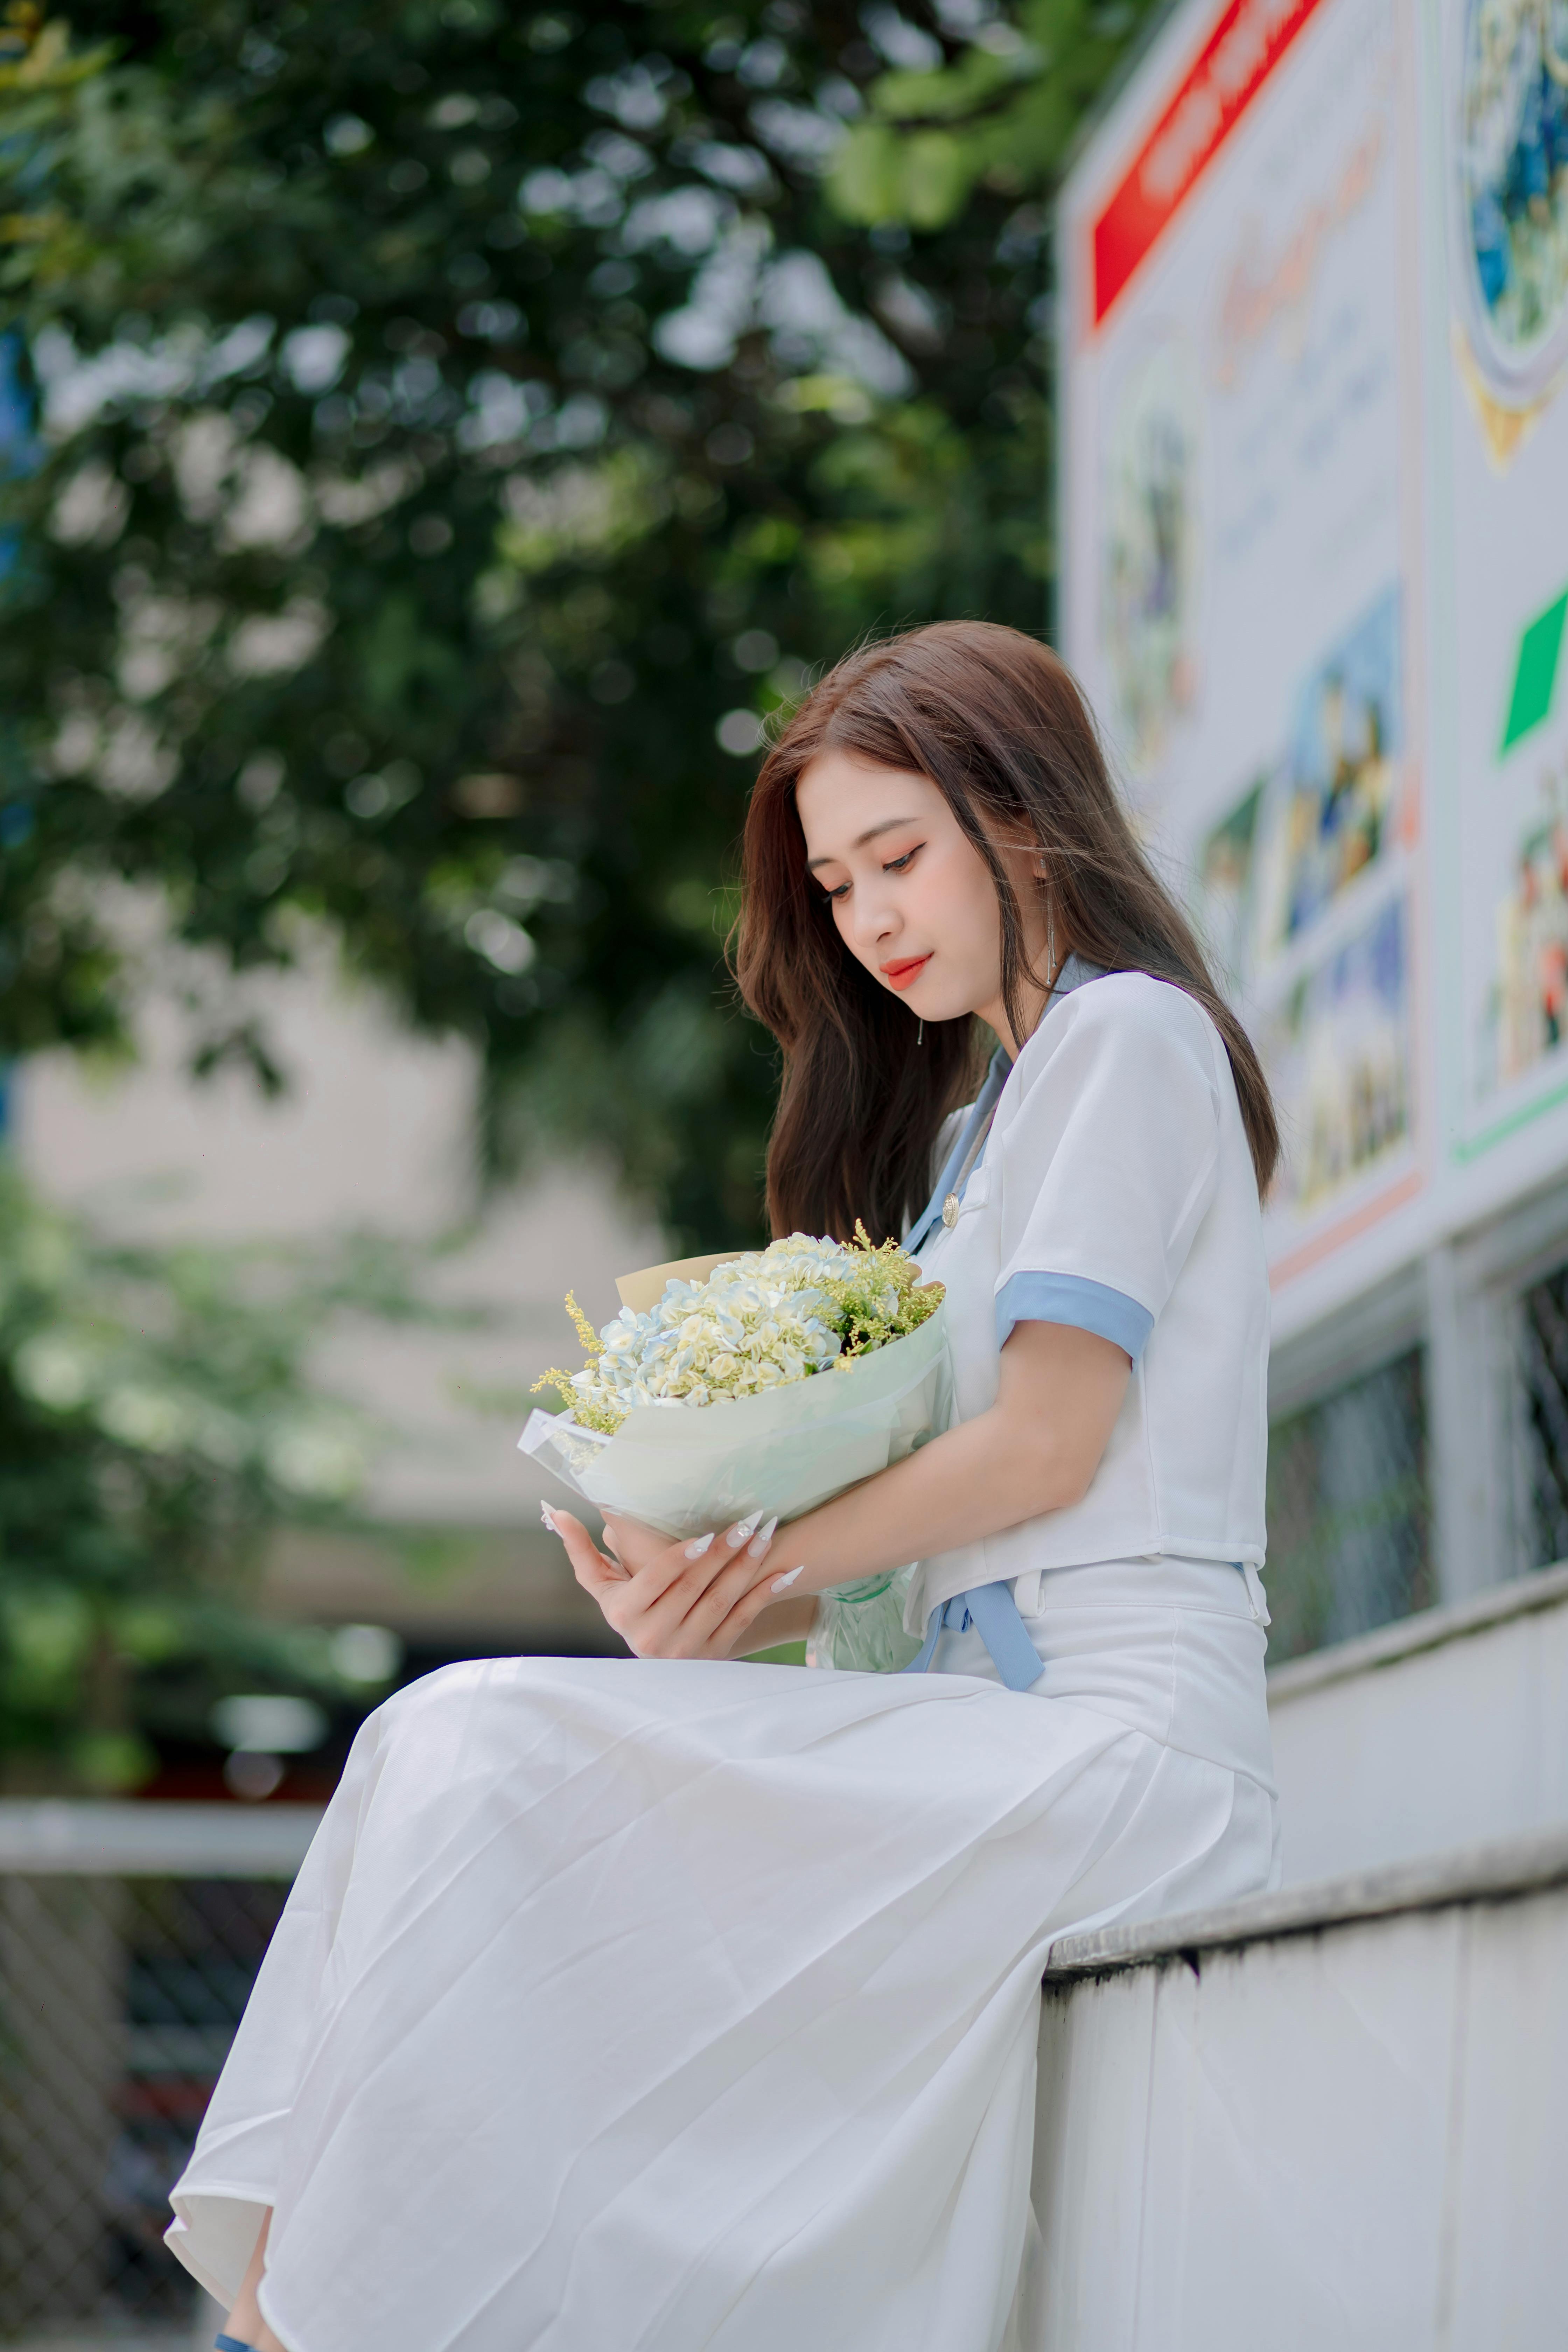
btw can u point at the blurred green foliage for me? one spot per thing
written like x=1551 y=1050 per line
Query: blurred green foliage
x=156 y=1427
x=1000 y=107
x=461 y=427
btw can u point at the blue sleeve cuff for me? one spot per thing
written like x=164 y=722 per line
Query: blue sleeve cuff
x=1071 y=1298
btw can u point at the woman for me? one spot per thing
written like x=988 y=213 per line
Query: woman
x=658 y=2004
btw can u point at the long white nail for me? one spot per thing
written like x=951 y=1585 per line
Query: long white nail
x=548 y=1515
x=782 y=1583
x=695 y=1550
x=743 y=1530
x=762 y=1538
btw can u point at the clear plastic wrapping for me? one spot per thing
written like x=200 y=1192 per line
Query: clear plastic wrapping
x=860 y=1628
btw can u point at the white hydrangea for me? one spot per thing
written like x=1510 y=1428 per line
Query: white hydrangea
x=758 y=1322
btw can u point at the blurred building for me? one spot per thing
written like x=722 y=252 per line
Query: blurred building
x=375 y=1132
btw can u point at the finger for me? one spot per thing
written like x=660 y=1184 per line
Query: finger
x=687 y=1614
x=740 y=1619
x=684 y=1572
x=700 y=1598
x=653 y=1606
x=589 y=1565
x=737 y=1555
x=749 y=1568
x=744 y=1598
x=633 y=1544
x=665 y=1586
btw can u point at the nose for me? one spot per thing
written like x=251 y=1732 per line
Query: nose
x=873 y=919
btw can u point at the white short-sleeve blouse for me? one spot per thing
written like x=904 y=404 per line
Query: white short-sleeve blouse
x=1116 y=1193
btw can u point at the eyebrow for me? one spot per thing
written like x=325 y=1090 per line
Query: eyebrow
x=888 y=824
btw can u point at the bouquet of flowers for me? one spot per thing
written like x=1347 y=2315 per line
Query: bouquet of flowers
x=773 y=1382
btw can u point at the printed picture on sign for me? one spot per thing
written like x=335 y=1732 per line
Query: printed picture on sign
x=1527 y=1015
x=1224 y=894
x=1330 y=810
x=1512 y=161
x=1526 y=1012
x=1337 y=1052
x=1150 y=553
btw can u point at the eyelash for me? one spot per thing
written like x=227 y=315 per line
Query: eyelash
x=894 y=865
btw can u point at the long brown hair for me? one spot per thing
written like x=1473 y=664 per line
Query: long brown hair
x=999 y=726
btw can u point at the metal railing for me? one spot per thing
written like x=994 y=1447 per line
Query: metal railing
x=130 y=1937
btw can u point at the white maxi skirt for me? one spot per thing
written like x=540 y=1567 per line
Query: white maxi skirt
x=654 y=2006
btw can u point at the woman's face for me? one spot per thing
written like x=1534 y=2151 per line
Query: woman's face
x=912 y=898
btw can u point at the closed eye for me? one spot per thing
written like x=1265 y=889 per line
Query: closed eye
x=893 y=865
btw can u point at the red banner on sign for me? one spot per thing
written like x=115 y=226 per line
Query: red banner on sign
x=1243 y=50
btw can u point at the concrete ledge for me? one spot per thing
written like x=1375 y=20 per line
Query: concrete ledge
x=43 y=1837
x=1336 y=2117
x=1430 y=1629
x=1486 y=1873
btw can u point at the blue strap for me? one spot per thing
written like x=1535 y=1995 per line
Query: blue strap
x=232 y=2344
x=993 y=1612
x=921 y=1666
x=986 y=1102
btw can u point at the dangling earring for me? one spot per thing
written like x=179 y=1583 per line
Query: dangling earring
x=1050 y=932
x=920 y=1033
x=1042 y=871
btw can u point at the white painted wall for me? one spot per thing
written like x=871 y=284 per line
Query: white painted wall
x=1347 y=2141
x=1448 y=1730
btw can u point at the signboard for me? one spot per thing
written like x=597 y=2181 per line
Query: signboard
x=1314 y=488
x=1504 y=79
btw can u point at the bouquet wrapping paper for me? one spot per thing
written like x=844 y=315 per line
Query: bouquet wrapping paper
x=782 y=1452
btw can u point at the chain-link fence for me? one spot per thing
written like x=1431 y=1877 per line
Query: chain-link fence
x=1349 y=1511
x=123 y=1972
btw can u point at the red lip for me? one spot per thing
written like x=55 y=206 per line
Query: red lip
x=899 y=974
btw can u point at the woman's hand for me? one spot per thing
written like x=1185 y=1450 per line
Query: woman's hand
x=1037 y=1449
x=697 y=1600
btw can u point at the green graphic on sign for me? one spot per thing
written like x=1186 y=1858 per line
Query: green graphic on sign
x=1537 y=672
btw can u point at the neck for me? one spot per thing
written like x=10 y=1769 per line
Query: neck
x=1033 y=999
